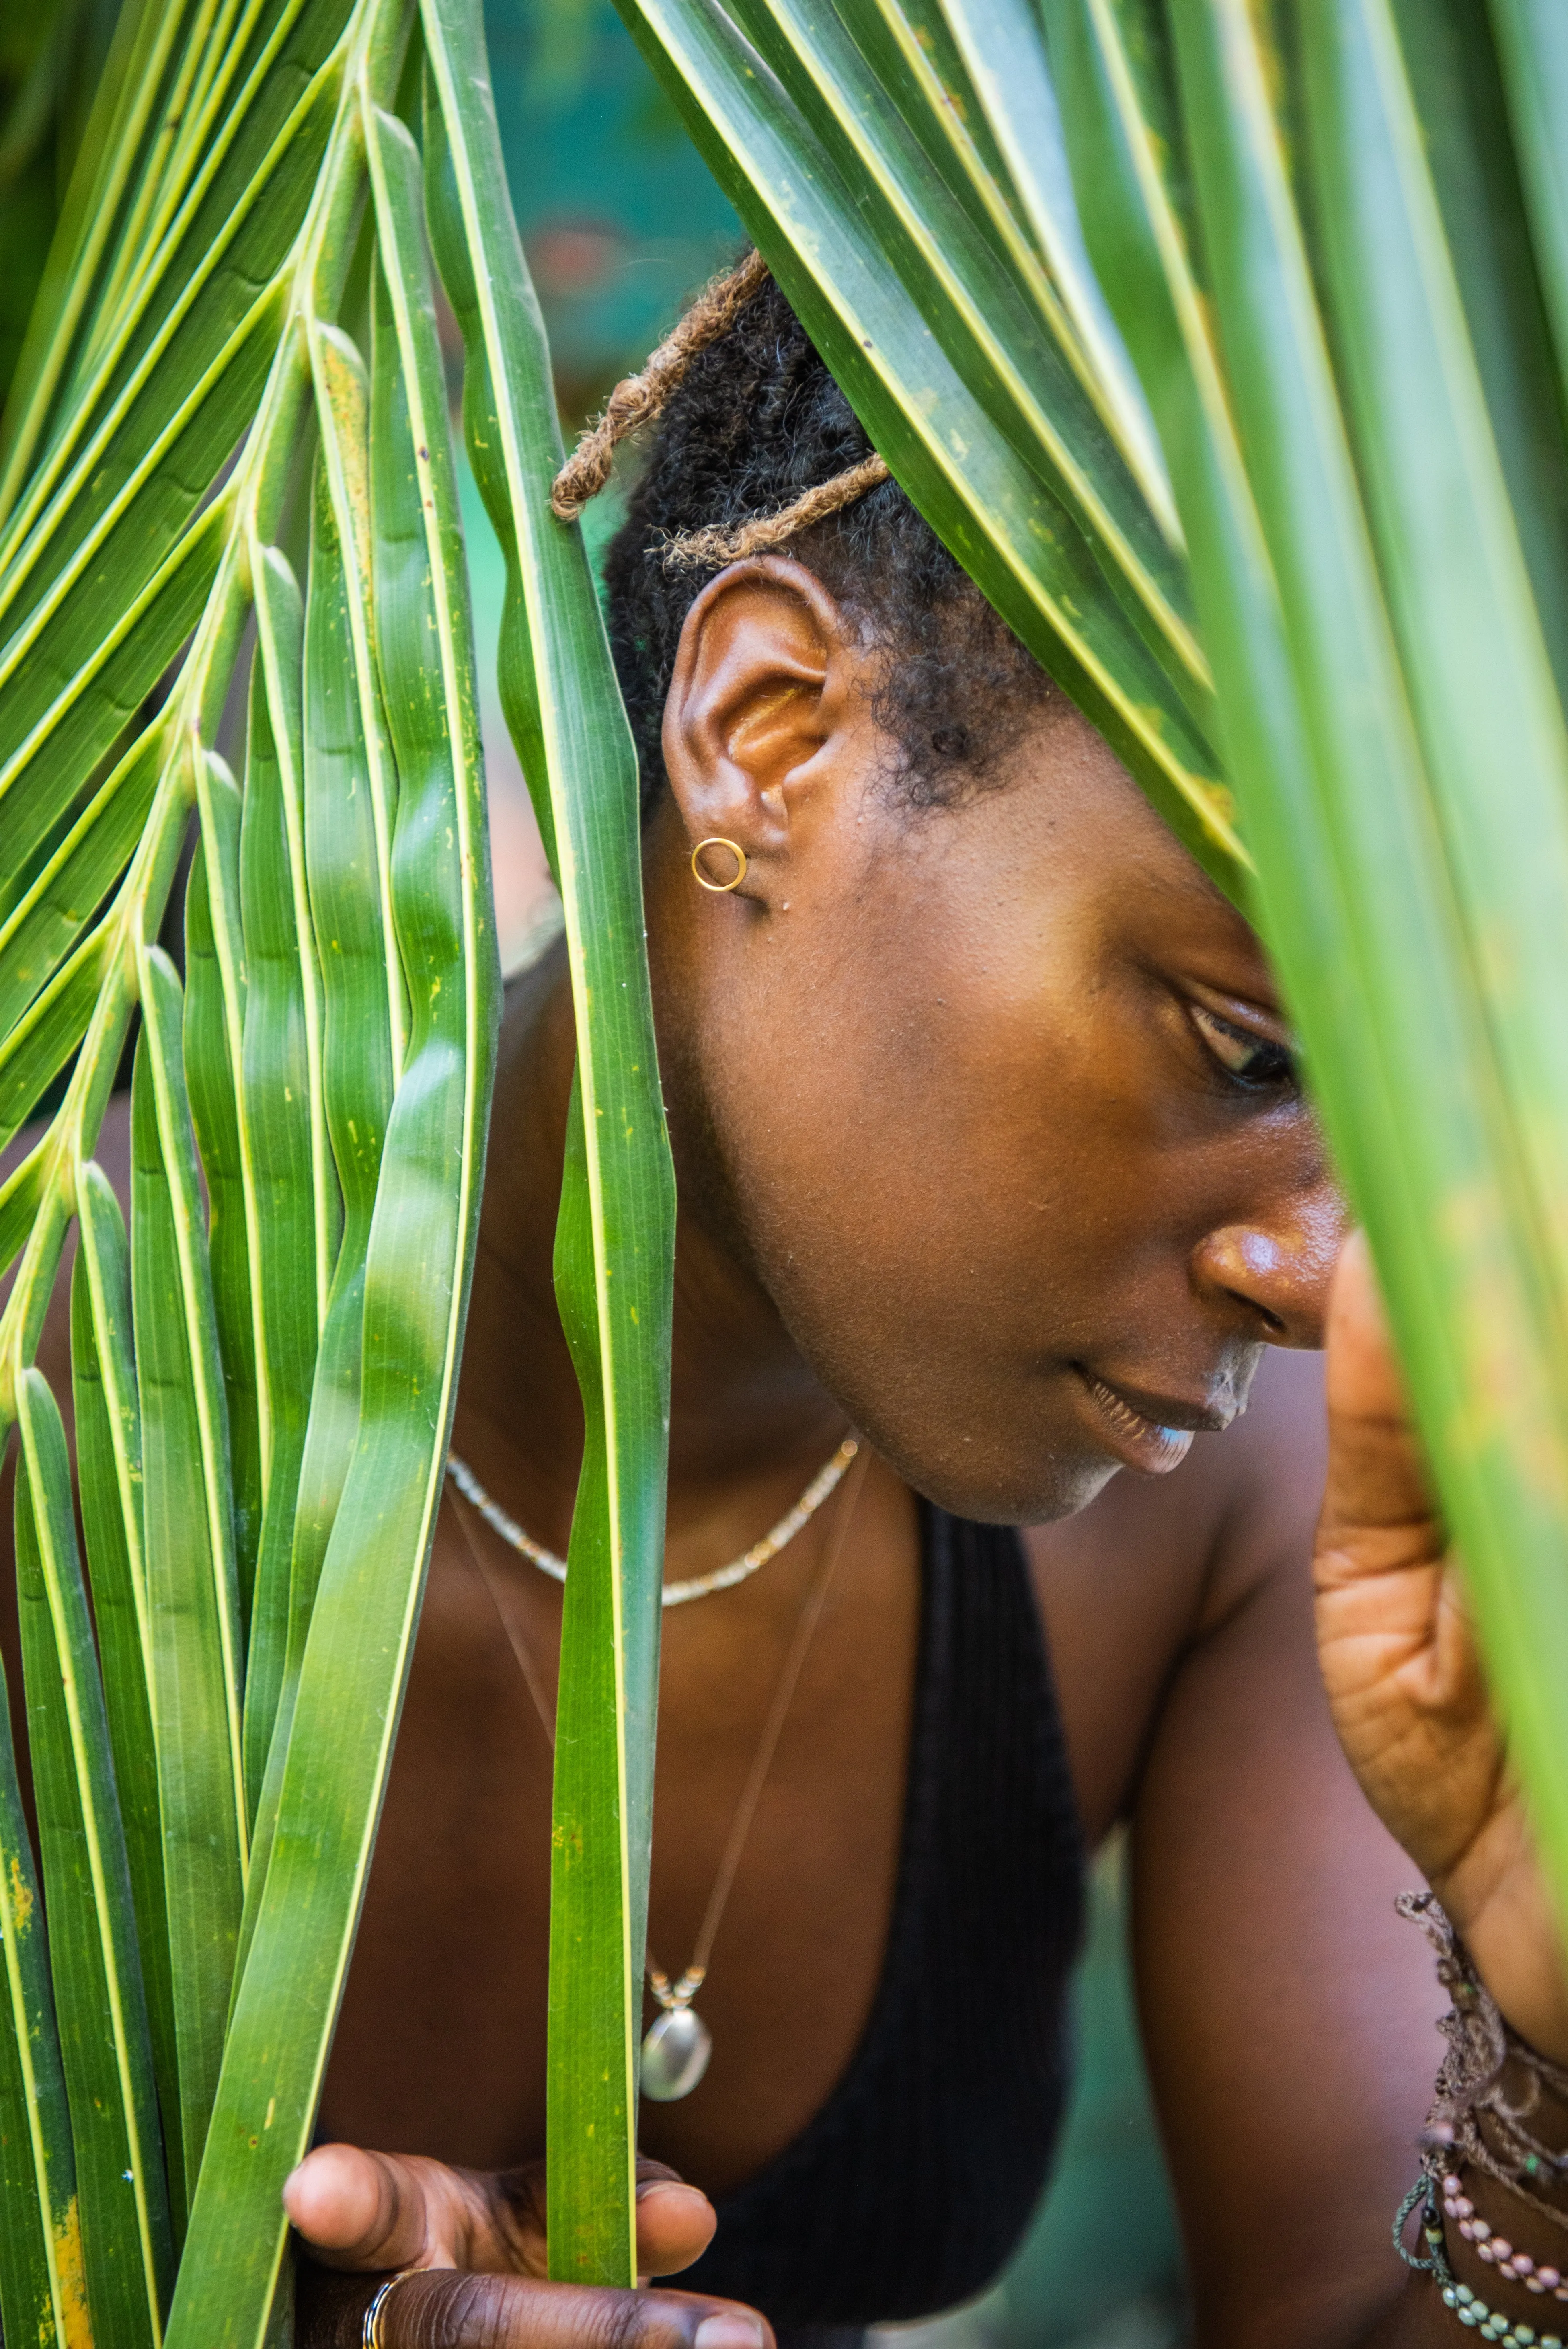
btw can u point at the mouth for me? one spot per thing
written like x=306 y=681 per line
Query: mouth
x=1152 y=1434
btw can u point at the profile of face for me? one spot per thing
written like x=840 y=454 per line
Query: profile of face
x=995 y=1102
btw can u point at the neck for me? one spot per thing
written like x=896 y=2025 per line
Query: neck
x=750 y=1423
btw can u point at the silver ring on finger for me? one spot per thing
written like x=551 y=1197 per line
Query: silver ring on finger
x=371 y=2336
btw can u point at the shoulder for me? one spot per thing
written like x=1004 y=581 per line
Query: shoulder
x=1156 y=1565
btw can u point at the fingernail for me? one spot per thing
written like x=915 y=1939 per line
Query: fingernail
x=727 y=2333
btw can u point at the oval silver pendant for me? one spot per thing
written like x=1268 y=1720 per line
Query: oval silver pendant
x=675 y=2050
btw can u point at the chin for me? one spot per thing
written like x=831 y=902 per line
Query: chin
x=1000 y=1491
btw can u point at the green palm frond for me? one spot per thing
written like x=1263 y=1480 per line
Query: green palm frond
x=1332 y=236
x=229 y=486
x=1359 y=371
x=1221 y=345
x=991 y=382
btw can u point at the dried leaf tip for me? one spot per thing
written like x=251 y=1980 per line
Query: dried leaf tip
x=638 y=399
x=733 y=541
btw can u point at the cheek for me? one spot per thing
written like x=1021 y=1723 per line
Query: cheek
x=957 y=1184
x=951 y=1202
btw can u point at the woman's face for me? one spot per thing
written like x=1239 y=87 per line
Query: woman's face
x=995 y=1103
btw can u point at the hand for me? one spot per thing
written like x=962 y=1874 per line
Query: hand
x=480 y=2237
x=1404 y=1679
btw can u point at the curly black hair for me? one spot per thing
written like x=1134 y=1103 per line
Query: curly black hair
x=756 y=421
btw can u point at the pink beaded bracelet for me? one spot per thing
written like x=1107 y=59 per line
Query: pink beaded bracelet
x=1494 y=2249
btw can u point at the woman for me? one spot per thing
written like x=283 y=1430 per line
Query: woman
x=990 y=1149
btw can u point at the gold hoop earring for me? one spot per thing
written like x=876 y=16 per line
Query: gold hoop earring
x=719 y=888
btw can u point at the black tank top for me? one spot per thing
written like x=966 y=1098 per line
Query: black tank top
x=906 y=2192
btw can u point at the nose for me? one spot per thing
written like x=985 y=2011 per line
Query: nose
x=1278 y=1268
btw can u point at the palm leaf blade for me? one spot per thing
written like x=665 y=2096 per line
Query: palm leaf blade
x=295 y=1199
x=39 y=1046
x=415 y=1292
x=126 y=101
x=335 y=1033
x=99 y=1996
x=1532 y=55
x=43 y=2284
x=1435 y=1073
x=191 y=1591
x=616 y=1244
x=192 y=308
x=1023 y=380
x=983 y=502
x=36 y=938
x=1013 y=99
x=350 y=797
x=214 y=1059
x=350 y=815
x=109 y=1466
x=52 y=750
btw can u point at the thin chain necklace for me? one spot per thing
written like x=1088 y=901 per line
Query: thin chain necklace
x=677 y=2043
x=675 y=1594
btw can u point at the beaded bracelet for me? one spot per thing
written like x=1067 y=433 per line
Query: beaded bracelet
x=1467 y=2305
x=1488 y=2074
x=1491 y=2247
x=1490 y=2322
x=1476 y=2081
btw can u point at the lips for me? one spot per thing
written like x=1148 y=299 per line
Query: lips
x=1152 y=1434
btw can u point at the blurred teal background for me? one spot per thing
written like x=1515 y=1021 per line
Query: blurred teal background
x=622 y=222
x=621 y=218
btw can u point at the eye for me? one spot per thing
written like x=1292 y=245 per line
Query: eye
x=1254 y=1062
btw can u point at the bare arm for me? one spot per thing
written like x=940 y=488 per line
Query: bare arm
x=1288 y=2013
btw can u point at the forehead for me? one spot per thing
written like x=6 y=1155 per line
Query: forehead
x=1063 y=830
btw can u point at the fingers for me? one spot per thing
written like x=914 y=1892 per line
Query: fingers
x=443 y=2311
x=1363 y=1375
x=1376 y=1477
x=675 y=2223
x=369 y=2211
x=447 y=2311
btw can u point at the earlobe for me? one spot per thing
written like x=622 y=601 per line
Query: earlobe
x=757 y=695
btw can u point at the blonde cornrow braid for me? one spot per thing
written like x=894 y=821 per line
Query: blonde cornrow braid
x=638 y=399
x=732 y=542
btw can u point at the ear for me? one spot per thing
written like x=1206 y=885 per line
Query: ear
x=765 y=704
